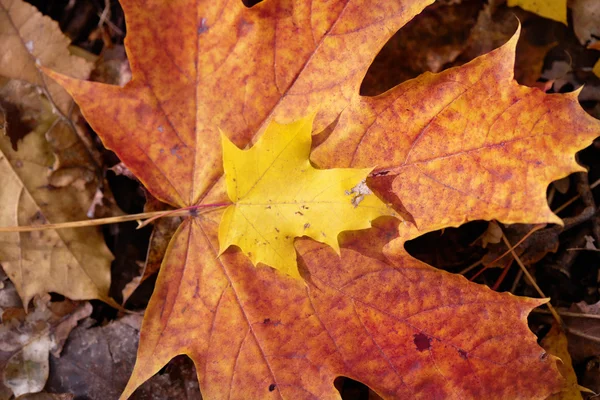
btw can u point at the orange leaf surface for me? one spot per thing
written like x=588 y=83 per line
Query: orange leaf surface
x=465 y=144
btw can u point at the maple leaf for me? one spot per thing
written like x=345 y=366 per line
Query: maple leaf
x=278 y=196
x=385 y=319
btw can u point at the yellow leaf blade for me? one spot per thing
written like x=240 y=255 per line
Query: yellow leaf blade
x=552 y=9
x=279 y=195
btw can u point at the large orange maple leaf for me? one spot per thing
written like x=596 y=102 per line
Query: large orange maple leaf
x=465 y=144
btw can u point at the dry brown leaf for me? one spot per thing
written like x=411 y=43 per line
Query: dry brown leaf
x=30 y=39
x=109 y=354
x=431 y=40
x=496 y=24
x=584 y=333
x=72 y=262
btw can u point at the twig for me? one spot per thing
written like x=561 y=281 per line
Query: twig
x=569 y=314
x=511 y=248
x=584 y=335
x=573 y=199
x=528 y=275
x=516 y=281
x=470 y=267
x=105 y=13
x=502 y=275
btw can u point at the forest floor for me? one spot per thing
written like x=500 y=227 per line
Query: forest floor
x=99 y=354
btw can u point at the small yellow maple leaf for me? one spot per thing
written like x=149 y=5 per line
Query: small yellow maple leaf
x=596 y=68
x=278 y=195
x=552 y=9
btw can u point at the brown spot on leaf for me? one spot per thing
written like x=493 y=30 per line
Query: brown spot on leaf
x=422 y=341
x=463 y=354
x=272 y=387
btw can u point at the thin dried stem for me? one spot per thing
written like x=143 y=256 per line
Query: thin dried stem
x=570 y=314
x=584 y=335
x=186 y=211
x=470 y=267
x=510 y=249
x=82 y=224
x=530 y=278
x=502 y=276
x=573 y=199
x=516 y=281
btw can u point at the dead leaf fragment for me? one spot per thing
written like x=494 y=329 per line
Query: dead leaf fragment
x=555 y=343
x=108 y=353
x=30 y=341
x=586 y=14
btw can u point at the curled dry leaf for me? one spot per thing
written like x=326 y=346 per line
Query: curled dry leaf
x=583 y=333
x=387 y=320
x=51 y=176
